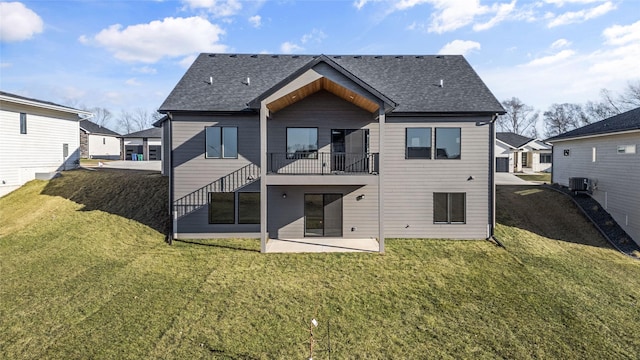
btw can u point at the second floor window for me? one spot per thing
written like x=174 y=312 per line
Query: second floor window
x=448 y=143
x=302 y=143
x=23 y=123
x=221 y=142
x=418 y=143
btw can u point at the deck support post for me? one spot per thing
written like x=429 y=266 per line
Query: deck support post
x=381 y=121
x=264 y=115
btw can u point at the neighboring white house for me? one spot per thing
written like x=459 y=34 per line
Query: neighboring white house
x=36 y=137
x=144 y=144
x=608 y=153
x=98 y=142
x=517 y=153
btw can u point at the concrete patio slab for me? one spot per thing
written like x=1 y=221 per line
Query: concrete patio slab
x=150 y=165
x=511 y=179
x=318 y=245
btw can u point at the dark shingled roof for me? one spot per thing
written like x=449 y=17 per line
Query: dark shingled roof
x=411 y=82
x=629 y=120
x=147 y=133
x=512 y=139
x=94 y=128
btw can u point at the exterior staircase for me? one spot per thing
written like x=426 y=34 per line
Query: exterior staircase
x=229 y=183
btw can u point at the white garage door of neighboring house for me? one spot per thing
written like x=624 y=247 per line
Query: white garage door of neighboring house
x=502 y=164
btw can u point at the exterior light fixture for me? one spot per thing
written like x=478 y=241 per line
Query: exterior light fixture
x=284 y=195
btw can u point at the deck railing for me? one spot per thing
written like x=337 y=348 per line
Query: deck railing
x=228 y=183
x=322 y=163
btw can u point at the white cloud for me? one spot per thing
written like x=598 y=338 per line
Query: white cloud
x=314 y=36
x=572 y=17
x=187 y=61
x=145 y=70
x=560 y=3
x=452 y=15
x=459 y=47
x=5 y=65
x=289 y=47
x=503 y=12
x=560 y=43
x=255 y=21
x=133 y=82
x=551 y=59
x=17 y=22
x=171 y=37
x=217 y=8
x=620 y=35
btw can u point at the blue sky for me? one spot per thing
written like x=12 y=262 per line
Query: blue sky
x=125 y=55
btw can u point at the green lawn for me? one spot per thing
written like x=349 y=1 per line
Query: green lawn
x=81 y=279
x=543 y=177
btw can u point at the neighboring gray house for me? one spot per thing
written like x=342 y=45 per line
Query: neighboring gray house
x=98 y=142
x=142 y=145
x=36 y=137
x=606 y=152
x=300 y=146
x=517 y=153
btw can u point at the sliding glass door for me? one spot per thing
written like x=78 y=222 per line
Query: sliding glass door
x=323 y=215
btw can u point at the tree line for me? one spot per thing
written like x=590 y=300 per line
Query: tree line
x=126 y=122
x=559 y=118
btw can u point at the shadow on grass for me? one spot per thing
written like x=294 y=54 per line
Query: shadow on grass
x=547 y=213
x=138 y=195
x=217 y=245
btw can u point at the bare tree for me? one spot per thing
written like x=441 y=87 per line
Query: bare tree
x=630 y=97
x=126 y=122
x=561 y=118
x=601 y=110
x=101 y=116
x=519 y=117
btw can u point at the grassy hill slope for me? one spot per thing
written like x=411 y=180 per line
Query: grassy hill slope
x=86 y=274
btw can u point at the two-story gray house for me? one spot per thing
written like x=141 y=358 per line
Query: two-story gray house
x=309 y=146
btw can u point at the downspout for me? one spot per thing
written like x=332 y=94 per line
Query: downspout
x=172 y=210
x=492 y=186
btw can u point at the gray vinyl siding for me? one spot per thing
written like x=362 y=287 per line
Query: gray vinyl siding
x=166 y=148
x=410 y=183
x=324 y=111
x=617 y=175
x=286 y=215
x=193 y=171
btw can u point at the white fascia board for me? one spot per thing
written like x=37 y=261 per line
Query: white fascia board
x=48 y=106
x=595 y=135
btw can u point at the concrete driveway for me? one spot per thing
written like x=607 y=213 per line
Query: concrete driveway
x=151 y=165
x=510 y=179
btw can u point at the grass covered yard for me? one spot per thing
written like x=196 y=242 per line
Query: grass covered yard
x=542 y=177
x=86 y=274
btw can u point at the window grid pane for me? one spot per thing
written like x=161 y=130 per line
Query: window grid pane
x=230 y=142
x=448 y=143
x=249 y=208
x=222 y=208
x=23 y=123
x=213 y=142
x=418 y=143
x=302 y=143
x=440 y=208
x=457 y=206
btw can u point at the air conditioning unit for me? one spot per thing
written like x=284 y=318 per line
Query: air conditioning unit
x=581 y=184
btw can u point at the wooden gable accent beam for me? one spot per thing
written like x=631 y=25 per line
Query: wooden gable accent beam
x=323 y=84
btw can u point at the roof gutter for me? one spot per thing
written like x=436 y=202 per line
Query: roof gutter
x=14 y=100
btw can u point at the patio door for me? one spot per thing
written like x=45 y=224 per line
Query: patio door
x=349 y=148
x=323 y=215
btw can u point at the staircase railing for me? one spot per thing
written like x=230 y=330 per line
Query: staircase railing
x=228 y=183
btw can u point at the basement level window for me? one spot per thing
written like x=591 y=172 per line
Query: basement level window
x=626 y=149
